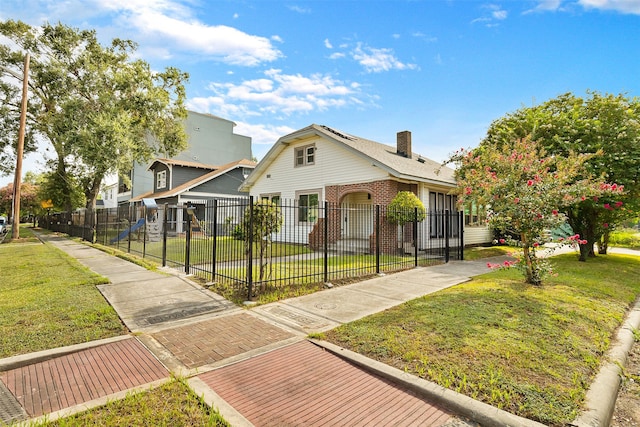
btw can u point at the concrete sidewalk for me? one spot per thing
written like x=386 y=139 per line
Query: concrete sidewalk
x=194 y=332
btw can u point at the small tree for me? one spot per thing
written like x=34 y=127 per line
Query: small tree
x=525 y=192
x=260 y=221
x=405 y=208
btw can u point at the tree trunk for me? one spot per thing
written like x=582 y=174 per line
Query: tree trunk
x=584 y=252
x=603 y=243
x=63 y=179
x=91 y=192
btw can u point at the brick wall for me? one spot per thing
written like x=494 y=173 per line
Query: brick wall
x=382 y=193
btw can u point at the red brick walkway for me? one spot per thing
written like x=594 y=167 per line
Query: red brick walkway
x=212 y=340
x=304 y=385
x=76 y=378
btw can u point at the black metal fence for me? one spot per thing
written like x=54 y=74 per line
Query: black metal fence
x=255 y=246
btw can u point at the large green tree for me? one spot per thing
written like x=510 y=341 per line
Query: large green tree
x=524 y=189
x=96 y=106
x=606 y=124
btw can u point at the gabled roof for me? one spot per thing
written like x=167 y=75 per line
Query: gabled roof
x=417 y=168
x=219 y=170
x=184 y=163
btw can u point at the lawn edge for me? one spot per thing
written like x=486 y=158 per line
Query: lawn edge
x=457 y=403
x=21 y=360
x=600 y=399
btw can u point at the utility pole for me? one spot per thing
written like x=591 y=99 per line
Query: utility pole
x=17 y=181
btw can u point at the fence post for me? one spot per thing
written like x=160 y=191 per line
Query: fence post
x=165 y=225
x=106 y=225
x=117 y=227
x=249 y=251
x=377 y=239
x=214 y=234
x=415 y=236
x=325 y=248
x=447 y=227
x=461 y=228
x=144 y=232
x=187 y=247
x=131 y=209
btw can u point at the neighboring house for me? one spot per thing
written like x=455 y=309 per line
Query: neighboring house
x=108 y=196
x=211 y=141
x=319 y=163
x=178 y=182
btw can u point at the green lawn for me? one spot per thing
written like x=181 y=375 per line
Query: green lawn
x=532 y=351
x=626 y=238
x=48 y=300
x=172 y=404
x=479 y=252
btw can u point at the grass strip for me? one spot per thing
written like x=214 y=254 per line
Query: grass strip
x=172 y=404
x=48 y=300
x=532 y=351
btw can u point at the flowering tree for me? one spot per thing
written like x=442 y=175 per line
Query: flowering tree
x=524 y=191
x=598 y=123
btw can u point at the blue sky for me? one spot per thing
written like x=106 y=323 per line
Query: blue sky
x=442 y=69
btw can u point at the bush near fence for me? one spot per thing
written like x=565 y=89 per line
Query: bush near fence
x=341 y=243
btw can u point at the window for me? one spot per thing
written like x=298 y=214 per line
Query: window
x=161 y=179
x=474 y=214
x=308 y=207
x=439 y=203
x=273 y=198
x=305 y=155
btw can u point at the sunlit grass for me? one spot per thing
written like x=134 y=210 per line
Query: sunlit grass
x=172 y=404
x=530 y=350
x=48 y=300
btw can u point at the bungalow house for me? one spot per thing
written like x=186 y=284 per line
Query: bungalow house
x=179 y=182
x=319 y=163
x=211 y=141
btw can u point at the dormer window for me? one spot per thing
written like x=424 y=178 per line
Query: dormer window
x=161 y=179
x=305 y=155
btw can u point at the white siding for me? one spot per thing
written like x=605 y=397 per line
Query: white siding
x=477 y=235
x=333 y=165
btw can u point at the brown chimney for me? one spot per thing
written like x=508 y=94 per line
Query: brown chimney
x=404 y=143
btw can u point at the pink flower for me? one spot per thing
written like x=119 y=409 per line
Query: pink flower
x=607 y=206
x=605 y=225
x=555 y=212
x=583 y=198
x=467 y=190
x=516 y=200
x=536 y=244
x=502 y=241
x=618 y=204
x=582 y=242
x=561 y=239
x=530 y=182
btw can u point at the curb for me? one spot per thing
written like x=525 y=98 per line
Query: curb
x=601 y=397
x=21 y=360
x=458 y=404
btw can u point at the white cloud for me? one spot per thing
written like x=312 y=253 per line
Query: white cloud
x=622 y=6
x=547 y=5
x=167 y=28
x=277 y=93
x=376 y=60
x=262 y=134
x=493 y=13
x=328 y=44
x=337 y=55
x=299 y=9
